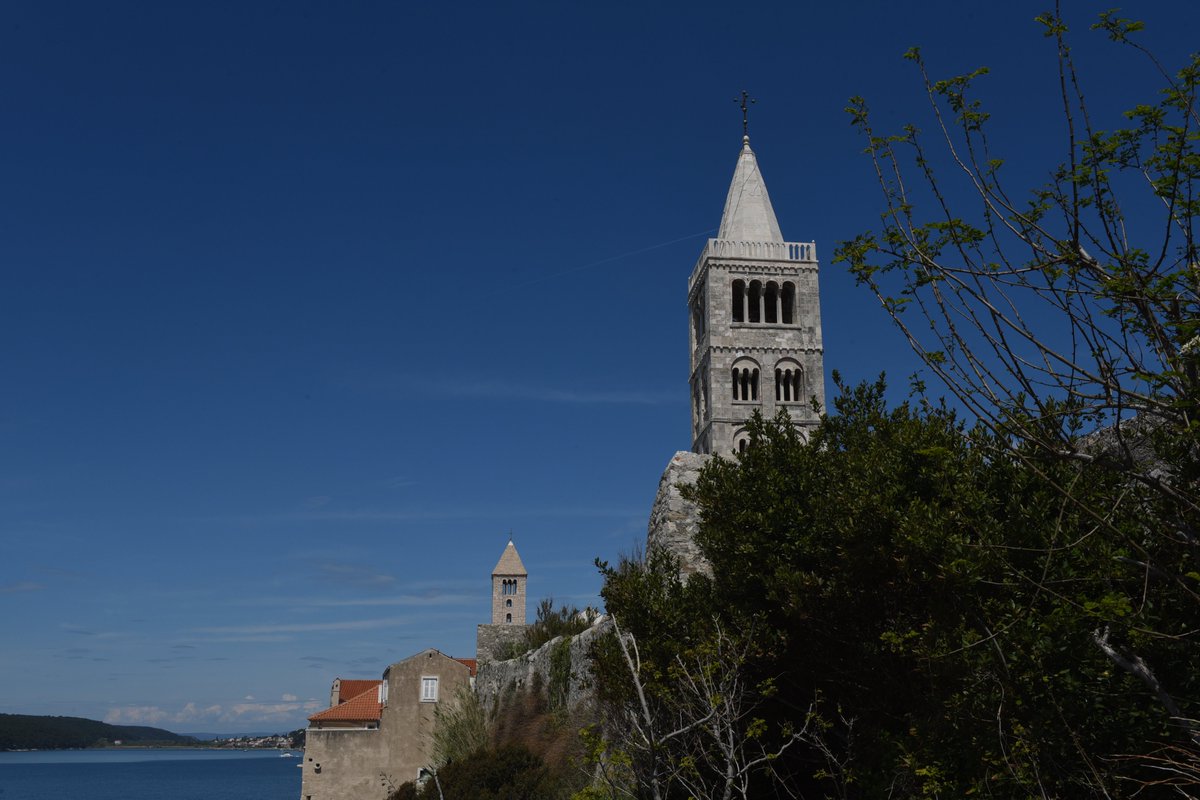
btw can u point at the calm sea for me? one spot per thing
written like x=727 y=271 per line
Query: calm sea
x=149 y=775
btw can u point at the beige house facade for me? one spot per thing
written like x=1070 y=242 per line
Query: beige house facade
x=365 y=746
x=378 y=734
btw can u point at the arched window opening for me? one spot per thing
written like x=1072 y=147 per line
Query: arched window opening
x=746 y=378
x=789 y=382
x=697 y=322
x=704 y=393
x=508 y=603
x=771 y=303
x=756 y=299
x=789 y=303
x=508 y=618
x=739 y=301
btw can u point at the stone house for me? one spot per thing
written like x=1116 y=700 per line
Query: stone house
x=367 y=744
x=378 y=734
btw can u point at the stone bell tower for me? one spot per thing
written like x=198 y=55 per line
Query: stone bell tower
x=755 y=320
x=508 y=588
x=508 y=608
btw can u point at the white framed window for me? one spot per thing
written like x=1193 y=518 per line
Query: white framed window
x=429 y=689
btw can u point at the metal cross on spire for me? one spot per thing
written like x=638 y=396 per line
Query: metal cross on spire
x=746 y=100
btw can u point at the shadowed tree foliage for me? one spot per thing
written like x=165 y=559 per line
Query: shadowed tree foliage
x=925 y=608
x=509 y=773
x=1066 y=308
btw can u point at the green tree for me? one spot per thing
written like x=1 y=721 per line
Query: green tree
x=939 y=600
x=1067 y=317
x=511 y=772
x=921 y=607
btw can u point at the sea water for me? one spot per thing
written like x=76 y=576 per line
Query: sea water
x=150 y=774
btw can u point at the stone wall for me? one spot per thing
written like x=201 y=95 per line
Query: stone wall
x=675 y=521
x=496 y=678
x=491 y=640
x=344 y=764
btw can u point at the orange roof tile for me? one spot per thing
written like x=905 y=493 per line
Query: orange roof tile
x=362 y=708
x=349 y=689
x=471 y=663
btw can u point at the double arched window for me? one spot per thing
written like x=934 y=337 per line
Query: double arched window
x=789 y=381
x=745 y=380
x=769 y=303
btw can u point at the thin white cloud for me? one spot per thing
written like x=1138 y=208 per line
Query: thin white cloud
x=402 y=600
x=289 y=698
x=71 y=627
x=399 y=482
x=504 y=390
x=20 y=586
x=240 y=713
x=305 y=627
x=136 y=715
x=356 y=576
x=513 y=390
x=417 y=515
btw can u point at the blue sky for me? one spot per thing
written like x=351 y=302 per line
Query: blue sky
x=307 y=306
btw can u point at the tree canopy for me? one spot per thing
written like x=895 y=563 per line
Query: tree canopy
x=923 y=613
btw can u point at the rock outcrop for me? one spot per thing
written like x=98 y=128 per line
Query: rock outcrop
x=675 y=521
x=544 y=667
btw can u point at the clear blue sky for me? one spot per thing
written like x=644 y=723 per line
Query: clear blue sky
x=305 y=307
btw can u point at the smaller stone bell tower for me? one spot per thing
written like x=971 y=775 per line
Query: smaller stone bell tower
x=508 y=588
x=507 y=627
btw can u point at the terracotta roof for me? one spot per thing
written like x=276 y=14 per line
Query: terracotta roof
x=348 y=689
x=471 y=663
x=510 y=562
x=361 y=708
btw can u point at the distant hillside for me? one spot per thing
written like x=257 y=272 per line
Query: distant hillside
x=22 y=732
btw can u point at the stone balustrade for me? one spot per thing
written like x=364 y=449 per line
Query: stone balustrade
x=761 y=251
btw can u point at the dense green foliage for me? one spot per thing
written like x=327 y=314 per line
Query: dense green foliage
x=925 y=613
x=523 y=748
x=525 y=745
x=461 y=728
x=509 y=773
x=549 y=623
x=1066 y=307
x=24 y=732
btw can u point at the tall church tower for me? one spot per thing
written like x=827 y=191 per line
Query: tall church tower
x=508 y=588
x=755 y=320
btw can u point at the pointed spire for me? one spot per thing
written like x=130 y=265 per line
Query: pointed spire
x=510 y=562
x=748 y=215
